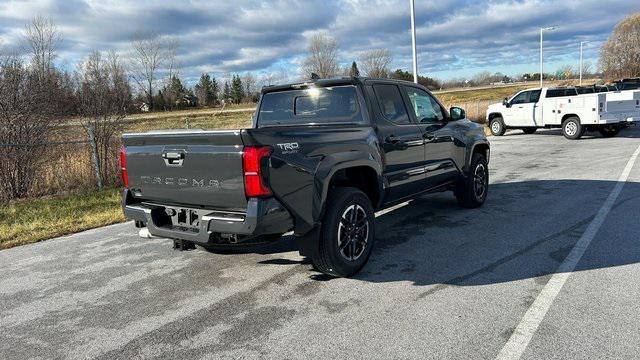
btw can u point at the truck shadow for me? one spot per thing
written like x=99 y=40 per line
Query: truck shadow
x=524 y=231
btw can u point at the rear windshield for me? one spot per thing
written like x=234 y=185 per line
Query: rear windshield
x=326 y=105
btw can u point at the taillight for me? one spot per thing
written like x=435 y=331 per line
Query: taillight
x=123 y=167
x=252 y=161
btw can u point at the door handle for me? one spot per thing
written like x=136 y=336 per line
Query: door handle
x=173 y=158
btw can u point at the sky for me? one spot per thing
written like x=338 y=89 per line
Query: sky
x=455 y=38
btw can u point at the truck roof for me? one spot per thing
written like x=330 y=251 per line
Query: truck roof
x=337 y=81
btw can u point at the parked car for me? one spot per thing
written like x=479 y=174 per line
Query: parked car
x=320 y=158
x=565 y=108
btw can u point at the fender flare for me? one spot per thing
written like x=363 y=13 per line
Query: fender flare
x=472 y=149
x=493 y=114
x=334 y=163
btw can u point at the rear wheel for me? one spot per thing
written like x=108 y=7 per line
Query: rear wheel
x=529 y=131
x=471 y=191
x=609 y=131
x=347 y=233
x=497 y=126
x=572 y=129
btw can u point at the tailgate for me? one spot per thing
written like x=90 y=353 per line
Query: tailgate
x=197 y=168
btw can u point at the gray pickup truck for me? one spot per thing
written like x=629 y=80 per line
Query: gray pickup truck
x=321 y=157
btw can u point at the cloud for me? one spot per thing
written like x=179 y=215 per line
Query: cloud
x=221 y=37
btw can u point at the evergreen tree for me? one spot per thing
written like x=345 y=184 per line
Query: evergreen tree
x=206 y=91
x=354 y=70
x=237 y=90
x=215 y=89
x=226 y=93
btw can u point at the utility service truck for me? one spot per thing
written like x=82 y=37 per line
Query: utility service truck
x=564 y=107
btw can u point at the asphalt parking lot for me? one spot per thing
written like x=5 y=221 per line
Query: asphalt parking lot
x=443 y=282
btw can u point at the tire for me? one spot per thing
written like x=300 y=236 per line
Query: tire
x=343 y=251
x=572 y=129
x=497 y=126
x=472 y=190
x=609 y=131
x=529 y=131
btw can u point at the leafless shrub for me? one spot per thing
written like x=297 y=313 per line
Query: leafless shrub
x=620 y=55
x=322 y=59
x=375 y=63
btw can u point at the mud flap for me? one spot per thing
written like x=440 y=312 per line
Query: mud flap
x=309 y=242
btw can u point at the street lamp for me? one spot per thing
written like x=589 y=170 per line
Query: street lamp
x=581 y=45
x=413 y=40
x=541 y=57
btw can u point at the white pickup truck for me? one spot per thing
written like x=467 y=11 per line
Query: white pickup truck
x=563 y=107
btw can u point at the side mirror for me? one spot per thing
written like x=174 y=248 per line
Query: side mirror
x=457 y=113
x=505 y=102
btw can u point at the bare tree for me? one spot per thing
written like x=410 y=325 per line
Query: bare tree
x=43 y=39
x=566 y=72
x=249 y=82
x=151 y=54
x=375 y=63
x=322 y=59
x=103 y=98
x=620 y=55
x=587 y=68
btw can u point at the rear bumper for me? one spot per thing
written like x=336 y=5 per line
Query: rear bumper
x=262 y=217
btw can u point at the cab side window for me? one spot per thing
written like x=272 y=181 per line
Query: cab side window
x=521 y=98
x=426 y=108
x=391 y=103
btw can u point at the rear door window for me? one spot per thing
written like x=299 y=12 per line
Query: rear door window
x=391 y=103
x=534 y=96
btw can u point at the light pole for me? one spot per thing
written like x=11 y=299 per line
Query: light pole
x=541 y=57
x=581 y=45
x=413 y=40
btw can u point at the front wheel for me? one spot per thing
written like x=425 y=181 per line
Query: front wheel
x=572 y=129
x=471 y=191
x=609 y=131
x=497 y=126
x=347 y=233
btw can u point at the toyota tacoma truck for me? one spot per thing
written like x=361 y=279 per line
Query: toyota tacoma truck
x=320 y=158
x=574 y=110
